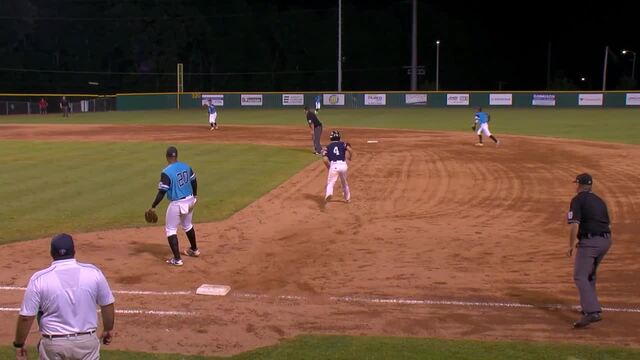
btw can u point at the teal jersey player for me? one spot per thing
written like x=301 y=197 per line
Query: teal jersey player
x=176 y=181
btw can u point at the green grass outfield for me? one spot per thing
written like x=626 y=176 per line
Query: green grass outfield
x=616 y=125
x=379 y=348
x=51 y=187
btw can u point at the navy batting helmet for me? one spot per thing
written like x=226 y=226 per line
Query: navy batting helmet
x=335 y=135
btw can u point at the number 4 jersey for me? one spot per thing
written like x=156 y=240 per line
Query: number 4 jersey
x=336 y=151
x=176 y=181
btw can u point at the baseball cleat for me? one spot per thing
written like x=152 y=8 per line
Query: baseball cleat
x=175 y=262
x=586 y=320
x=192 y=253
x=498 y=143
x=327 y=198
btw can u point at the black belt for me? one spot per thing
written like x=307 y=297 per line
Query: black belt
x=68 y=335
x=590 y=235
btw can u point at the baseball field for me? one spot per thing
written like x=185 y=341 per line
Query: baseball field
x=447 y=251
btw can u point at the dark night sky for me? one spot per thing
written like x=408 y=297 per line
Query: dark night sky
x=278 y=45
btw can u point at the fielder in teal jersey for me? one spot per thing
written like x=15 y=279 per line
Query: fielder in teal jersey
x=178 y=182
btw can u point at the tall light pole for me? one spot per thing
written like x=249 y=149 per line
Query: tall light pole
x=438 y=65
x=633 y=65
x=414 y=46
x=339 y=45
x=604 y=68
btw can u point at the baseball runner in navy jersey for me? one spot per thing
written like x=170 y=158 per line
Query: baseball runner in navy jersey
x=481 y=126
x=178 y=182
x=318 y=101
x=335 y=158
x=213 y=115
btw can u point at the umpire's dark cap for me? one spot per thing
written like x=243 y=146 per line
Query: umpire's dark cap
x=584 y=179
x=172 y=151
x=62 y=247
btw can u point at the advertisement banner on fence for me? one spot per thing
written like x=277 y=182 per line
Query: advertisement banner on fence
x=217 y=100
x=633 y=99
x=500 y=99
x=457 y=99
x=292 y=99
x=544 y=100
x=251 y=100
x=415 y=99
x=375 y=99
x=590 y=99
x=333 y=99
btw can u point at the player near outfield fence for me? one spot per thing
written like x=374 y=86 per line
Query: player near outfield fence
x=213 y=115
x=481 y=126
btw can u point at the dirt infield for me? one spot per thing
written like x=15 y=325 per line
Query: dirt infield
x=432 y=218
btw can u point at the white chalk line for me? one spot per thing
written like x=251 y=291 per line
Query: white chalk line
x=401 y=301
x=130 y=292
x=353 y=299
x=130 y=312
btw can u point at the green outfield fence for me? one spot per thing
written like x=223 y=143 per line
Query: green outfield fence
x=452 y=99
x=27 y=103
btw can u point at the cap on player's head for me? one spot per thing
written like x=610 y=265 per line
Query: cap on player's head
x=172 y=152
x=62 y=247
x=584 y=179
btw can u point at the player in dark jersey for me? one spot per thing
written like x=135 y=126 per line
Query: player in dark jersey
x=335 y=158
x=316 y=130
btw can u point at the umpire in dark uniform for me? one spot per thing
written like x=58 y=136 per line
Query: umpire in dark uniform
x=316 y=130
x=590 y=233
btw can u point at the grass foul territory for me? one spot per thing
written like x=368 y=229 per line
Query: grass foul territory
x=379 y=348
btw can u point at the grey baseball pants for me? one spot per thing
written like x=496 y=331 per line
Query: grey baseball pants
x=317 y=134
x=86 y=347
x=589 y=255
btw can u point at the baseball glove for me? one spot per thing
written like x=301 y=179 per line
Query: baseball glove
x=473 y=127
x=150 y=216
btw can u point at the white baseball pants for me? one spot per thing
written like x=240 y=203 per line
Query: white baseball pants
x=484 y=129
x=179 y=212
x=212 y=118
x=338 y=169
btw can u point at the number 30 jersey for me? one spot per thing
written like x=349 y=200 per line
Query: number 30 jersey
x=176 y=181
x=336 y=151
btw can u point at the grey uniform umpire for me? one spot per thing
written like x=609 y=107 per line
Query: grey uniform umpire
x=65 y=297
x=316 y=130
x=590 y=234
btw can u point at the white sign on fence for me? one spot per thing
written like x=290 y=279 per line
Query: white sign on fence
x=333 y=99
x=457 y=99
x=251 y=100
x=501 y=99
x=292 y=99
x=633 y=99
x=217 y=100
x=375 y=99
x=590 y=99
x=543 y=100
x=415 y=99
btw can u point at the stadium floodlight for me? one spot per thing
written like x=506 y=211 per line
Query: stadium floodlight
x=633 y=65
